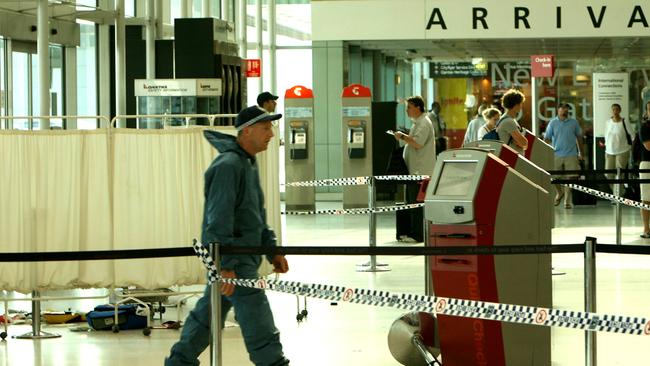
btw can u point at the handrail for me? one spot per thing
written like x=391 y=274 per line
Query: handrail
x=7 y=119
x=187 y=117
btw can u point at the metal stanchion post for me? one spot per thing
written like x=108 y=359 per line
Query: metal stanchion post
x=590 y=298
x=215 y=314
x=617 y=191
x=428 y=281
x=372 y=266
x=36 y=332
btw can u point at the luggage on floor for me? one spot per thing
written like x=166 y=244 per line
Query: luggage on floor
x=128 y=317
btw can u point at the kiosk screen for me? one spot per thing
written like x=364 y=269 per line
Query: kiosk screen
x=455 y=178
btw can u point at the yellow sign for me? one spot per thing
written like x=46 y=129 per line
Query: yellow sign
x=452 y=94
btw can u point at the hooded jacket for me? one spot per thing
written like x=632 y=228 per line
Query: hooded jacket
x=234 y=213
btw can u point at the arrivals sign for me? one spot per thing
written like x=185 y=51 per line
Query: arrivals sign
x=477 y=19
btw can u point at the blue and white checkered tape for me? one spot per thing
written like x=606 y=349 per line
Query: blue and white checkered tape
x=520 y=314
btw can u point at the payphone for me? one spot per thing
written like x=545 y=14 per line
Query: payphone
x=356 y=139
x=357 y=142
x=476 y=199
x=299 y=147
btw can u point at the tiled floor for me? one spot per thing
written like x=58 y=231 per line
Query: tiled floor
x=348 y=334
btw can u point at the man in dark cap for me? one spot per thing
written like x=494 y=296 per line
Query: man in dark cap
x=267 y=101
x=234 y=215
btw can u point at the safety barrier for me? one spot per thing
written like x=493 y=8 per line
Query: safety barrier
x=616 y=198
x=372 y=210
x=588 y=320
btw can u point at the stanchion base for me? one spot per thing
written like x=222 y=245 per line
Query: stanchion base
x=368 y=264
x=40 y=335
x=377 y=268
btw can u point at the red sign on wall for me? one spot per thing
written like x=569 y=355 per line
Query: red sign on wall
x=253 y=68
x=356 y=91
x=299 y=91
x=542 y=66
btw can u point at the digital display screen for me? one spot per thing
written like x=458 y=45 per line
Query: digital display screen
x=455 y=178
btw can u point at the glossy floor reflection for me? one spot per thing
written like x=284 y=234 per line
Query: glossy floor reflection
x=347 y=334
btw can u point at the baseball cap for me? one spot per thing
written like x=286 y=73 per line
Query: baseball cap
x=251 y=115
x=564 y=105
x=264 y=97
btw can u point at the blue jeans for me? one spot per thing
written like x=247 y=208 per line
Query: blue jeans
x=252 y=312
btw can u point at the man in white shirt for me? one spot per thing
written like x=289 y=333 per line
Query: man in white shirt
x=420 y=157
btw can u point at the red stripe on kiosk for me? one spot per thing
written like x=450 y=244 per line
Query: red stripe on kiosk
x=477 y=199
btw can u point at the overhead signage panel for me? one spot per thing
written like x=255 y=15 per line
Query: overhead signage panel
x=477 y=19
x=457 y=70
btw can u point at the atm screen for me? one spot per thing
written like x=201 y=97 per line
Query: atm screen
x=455 y=178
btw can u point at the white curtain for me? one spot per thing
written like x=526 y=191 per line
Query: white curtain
x=54 y=197
x=88 y=190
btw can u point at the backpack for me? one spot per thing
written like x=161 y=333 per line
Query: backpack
x=494 y=135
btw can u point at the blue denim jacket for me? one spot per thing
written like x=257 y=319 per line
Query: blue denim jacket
x=234 y=211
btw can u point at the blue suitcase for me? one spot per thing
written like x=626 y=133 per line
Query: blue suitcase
x=103 y=317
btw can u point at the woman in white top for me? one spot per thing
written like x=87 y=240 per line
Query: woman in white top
x=618 y=141
x=491 y=116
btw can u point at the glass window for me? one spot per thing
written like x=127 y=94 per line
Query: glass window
x=87 y=76
x=293 y=23
x=21 y=105
x=57 y=96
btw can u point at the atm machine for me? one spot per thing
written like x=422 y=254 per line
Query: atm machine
x=299 y=147
x=476 y=199
x=531 y=171
x=357 y=142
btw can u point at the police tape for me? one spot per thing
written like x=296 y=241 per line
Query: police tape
x=608 y=196
x=520 y=314
x=355 y=181
x=402 y=177
x=352 y=181
x=355 y=211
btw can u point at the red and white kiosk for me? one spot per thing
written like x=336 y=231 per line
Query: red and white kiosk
x=531 y=171
x=476 y=199
x=539 y=152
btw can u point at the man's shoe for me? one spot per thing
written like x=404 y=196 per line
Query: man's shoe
x=645 y=235
x=568 y=205
x=407 y=239
x=558 y=199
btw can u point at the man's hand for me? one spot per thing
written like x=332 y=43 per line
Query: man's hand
x=227 y=289
x=280 y=264
x=398 y=135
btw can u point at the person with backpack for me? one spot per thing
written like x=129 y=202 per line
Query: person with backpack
x=508 y=129
x=564 y=134
x=491 y=116
x=644 y=135
x=618 y=142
